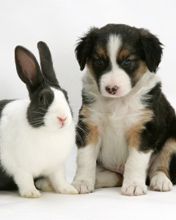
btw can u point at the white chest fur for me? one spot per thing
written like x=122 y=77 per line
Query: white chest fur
x=114 y=117
x=114 y=121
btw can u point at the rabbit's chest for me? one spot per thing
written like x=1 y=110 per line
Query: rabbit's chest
x=45 y=154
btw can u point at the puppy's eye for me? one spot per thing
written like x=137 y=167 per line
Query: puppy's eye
x=99 y=62
x=126 y=63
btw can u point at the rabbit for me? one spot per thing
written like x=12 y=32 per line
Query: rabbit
x=36 y=134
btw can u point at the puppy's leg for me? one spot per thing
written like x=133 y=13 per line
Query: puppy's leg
x=159 y=170
x=88 y=143
x=139 y=156
x=135 y=173
x=59 y=183
x=26 y=185
x=106 y=178
x=84 y=180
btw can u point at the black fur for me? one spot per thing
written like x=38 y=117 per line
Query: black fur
x=82 y=129
x=172 y=168
x=81 y=133
x=47 y=64
x=152 y=50
x=3 y=103
x=39 y=105
x=6 y=182
x=85 y=46
x=87 y=99
x=163 y=125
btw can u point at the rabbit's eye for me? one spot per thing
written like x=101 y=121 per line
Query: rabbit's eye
x=46 y=97
x=41 y=99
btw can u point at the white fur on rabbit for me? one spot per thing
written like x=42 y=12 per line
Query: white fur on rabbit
x=37 y=134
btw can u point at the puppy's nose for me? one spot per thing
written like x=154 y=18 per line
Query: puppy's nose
x=62 y=120
x=112 y=89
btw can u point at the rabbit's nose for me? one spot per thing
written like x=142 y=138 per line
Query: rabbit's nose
x=62 y=120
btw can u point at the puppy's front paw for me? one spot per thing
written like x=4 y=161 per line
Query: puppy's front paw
x=134 y=189
x=34 y=193
x=83 y=186
x=160 y=182
x=66 y=189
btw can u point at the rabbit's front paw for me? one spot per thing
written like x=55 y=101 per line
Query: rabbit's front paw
x=34 y=193
x=66 y=189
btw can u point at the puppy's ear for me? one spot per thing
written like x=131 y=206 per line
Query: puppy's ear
x=152 y=49
x=84 y=47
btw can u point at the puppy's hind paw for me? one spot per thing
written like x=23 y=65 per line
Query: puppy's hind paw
x=160 y=182
x=44 y=185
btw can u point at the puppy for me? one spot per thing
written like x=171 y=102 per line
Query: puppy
x=126 y=126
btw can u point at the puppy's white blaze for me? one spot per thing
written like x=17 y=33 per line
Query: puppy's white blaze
x=117 y=76
x=114 y=45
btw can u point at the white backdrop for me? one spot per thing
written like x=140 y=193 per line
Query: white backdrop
x=60 y=23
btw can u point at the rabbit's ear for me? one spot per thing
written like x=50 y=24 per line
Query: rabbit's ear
x=47 y=64
x=28 y=68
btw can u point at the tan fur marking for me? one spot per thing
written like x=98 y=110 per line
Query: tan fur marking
x=124 y=53
x=101 y=52
x=93 y=135
x=134 y=136
x=140 y=71
x=134 y=133
x=85 y=111
x=160 y=162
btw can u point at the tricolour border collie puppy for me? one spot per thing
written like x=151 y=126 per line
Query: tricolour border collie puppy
x=126 y=126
